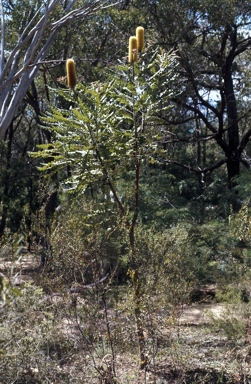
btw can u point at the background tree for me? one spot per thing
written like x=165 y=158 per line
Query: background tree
x=32 y=57
x=34 y=39
x=195 y=165
x=212 y=47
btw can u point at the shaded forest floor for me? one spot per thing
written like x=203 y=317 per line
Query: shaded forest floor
x=203 y=342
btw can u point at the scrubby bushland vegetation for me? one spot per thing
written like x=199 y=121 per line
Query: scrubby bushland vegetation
x=124 y=191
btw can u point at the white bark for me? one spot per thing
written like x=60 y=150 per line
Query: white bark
x=2 y=36
x=18 y=70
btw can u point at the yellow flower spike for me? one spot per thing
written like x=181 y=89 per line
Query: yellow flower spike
x=71 y=73
x=133 y=52
x=140 y=38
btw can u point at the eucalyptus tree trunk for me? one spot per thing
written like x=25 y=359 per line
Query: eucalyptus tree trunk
x=6 y=181
x=19 y=67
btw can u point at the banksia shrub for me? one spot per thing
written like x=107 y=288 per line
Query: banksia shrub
x=133 y=52
x=71 y=73
x=140 y=38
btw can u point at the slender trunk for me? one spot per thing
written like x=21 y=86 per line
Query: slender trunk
x=137 y=288
x=6 y=181
x=137 y=296
x=233 y=163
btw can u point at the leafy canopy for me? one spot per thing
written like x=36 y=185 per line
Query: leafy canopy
x=107 y=123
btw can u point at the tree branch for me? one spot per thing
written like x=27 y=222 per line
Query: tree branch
x=15 y=78
x=198 y=170
x=244 y=140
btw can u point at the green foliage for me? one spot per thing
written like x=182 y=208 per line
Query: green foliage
x=108 y=134
x=240 y=231
x=95 y=136
x=135 y=148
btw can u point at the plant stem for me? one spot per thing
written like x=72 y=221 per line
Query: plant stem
x=134 y=259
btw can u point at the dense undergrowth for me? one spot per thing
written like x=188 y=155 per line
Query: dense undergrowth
x=66 y=326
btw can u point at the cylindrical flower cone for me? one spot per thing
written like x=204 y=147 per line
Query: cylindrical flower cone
x=71 y=73
x=140 y=38
x=133 y=52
